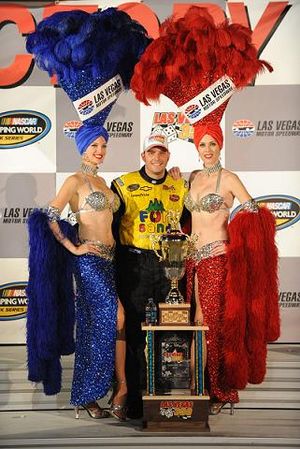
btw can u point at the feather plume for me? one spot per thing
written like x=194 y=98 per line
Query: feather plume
x=103 y=43
x=201 y=52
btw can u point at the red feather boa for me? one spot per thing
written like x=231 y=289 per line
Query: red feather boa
x=251 y=315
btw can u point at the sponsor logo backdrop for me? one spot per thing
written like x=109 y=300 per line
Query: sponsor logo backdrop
x=261 y=124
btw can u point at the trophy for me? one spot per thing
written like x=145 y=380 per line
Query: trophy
x=175 y=247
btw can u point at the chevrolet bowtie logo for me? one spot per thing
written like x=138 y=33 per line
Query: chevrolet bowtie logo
x=145 y=188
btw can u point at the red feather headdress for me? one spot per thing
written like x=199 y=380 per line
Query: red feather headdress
x=192 y=54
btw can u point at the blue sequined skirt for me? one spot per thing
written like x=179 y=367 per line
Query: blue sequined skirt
x=96 y=314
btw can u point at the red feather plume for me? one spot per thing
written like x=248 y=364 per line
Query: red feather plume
x=190 y=54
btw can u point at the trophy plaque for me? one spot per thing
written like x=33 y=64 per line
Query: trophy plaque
x=173 y=362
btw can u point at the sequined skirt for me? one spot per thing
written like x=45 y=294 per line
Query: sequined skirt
x=96 y=313
x=211 y=278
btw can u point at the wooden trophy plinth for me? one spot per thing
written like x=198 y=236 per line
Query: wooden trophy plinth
x=174 y=314
x=178 y=410
x=176 y=413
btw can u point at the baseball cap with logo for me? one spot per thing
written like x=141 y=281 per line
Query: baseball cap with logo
x=155 y=140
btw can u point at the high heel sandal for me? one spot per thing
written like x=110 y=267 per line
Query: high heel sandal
x=93 y=410
x=118 y=411
x=216 y=407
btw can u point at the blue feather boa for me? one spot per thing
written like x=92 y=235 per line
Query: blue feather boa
x=51 y=310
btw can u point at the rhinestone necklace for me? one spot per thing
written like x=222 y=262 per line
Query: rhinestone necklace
x=88 y=169
x=209 y=170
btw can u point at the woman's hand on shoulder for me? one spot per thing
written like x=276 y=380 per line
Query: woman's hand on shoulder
x=175 y=173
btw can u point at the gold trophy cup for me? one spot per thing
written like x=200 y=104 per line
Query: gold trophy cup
x=175 y=247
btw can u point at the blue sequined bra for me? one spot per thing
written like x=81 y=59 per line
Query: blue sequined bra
x=210 y=203
x=98 y=201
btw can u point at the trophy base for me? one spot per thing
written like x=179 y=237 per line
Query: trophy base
x=174 y=314
x=176 y=413
x=174 y=297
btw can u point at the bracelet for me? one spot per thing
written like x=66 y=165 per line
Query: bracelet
x=53 y=213
x=250 y=206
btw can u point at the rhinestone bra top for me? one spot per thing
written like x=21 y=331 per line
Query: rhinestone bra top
x=98 y=201
x=210 y=203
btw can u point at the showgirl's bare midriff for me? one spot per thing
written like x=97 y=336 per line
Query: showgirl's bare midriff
x=96 y=226
x=210 y=226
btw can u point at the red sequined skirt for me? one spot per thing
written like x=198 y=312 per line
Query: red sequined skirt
x=211 y=275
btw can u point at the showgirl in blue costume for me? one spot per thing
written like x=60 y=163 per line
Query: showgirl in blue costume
x=89 y=53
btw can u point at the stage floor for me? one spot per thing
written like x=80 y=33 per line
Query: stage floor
x=254 y=428
x=23 y=424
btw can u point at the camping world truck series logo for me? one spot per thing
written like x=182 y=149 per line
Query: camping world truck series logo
x=285 y=208
x=21 y=128
x=13 y=301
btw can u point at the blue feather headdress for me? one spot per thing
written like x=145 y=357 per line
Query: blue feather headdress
x=93 y=57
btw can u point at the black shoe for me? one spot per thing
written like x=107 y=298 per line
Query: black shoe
x=134 y=413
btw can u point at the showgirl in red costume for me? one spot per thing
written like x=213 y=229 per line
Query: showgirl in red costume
x=234 y=270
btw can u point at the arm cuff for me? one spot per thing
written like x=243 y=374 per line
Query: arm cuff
x=250 y=206
x=53 y=213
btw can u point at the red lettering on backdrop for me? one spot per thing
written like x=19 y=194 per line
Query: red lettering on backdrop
x=17 y=71
x=20 y=69
x=267 y=24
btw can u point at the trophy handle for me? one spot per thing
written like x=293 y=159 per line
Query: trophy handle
x=155 y=239
x=191 y=241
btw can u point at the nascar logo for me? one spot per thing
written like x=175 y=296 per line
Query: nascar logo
x=13 y=301
x=22 y=127
x=285 y=208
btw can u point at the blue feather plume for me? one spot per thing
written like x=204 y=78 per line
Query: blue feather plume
x=102 y=44
x=86 y=50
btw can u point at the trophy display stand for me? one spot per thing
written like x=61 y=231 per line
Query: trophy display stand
x=183 y=411
x=169 y=403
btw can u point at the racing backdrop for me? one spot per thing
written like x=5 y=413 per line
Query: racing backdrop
x=37 y=121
